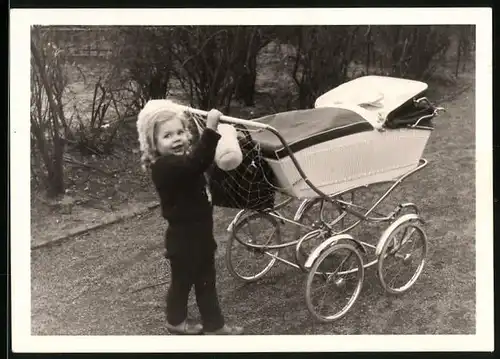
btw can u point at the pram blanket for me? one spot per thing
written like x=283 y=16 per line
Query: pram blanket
x=304 y=128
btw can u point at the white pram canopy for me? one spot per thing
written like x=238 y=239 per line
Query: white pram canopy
x=377 y=94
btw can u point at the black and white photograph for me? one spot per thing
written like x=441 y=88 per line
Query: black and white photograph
x=325 y=175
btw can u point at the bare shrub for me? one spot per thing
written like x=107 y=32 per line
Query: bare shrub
x=255 y=38
x=48 y=122
x=212 y=63
x=97 y=127
x=466 y=46
x=322 y=57
x=142 y=59
x=410 y=51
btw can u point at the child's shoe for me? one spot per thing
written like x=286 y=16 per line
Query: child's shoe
x=185 y=328
x=227 y=330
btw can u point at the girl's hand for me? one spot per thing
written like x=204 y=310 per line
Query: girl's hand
x=213 y=118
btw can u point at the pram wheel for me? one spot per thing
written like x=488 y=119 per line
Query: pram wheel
x=316 y=211
x=248 y=256
x=404 y=251
x=334 y=282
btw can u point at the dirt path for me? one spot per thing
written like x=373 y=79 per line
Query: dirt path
x=88 y=285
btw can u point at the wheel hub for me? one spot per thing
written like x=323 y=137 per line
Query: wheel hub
x=339 y=282
x=407 y=259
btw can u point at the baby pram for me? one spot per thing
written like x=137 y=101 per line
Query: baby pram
x=368 y=131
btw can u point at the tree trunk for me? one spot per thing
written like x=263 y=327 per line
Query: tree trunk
x=56 y=183
x=245 y=90
x=157 y=88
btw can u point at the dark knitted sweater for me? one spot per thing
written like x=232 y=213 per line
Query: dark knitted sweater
x=181 y=186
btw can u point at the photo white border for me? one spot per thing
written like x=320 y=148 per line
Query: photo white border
x=22 y=19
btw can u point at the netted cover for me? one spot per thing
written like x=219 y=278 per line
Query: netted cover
x=250 y=185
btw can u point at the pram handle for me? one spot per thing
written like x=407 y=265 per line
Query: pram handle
x=435 y=112
x=436 y=109
x=232 y=120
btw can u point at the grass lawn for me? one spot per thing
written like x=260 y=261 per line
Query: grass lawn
x=91 y=284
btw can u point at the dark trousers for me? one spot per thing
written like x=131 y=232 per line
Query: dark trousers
x=199 y=271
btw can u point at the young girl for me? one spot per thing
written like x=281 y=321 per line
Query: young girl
x=178 y=173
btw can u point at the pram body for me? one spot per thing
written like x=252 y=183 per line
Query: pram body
x=362 y=132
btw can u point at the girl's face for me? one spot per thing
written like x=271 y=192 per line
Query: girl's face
x=172 y=137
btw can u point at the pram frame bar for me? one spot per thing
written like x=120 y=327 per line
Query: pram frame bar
x=314 y=232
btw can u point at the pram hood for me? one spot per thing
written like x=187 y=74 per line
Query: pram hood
x=378 y=95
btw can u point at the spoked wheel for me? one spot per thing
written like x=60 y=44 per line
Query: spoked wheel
x=249 y=263
x=312 y=215
x=402 y=257
x=334 y=282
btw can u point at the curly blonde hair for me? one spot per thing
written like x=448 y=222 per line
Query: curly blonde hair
x=154 y=113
